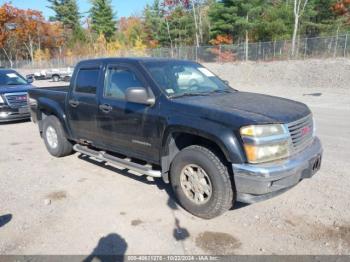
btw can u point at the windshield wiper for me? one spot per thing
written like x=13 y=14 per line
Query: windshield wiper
x=221 y=91
x=191 y=94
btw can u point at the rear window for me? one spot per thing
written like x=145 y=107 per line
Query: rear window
x=87 y=81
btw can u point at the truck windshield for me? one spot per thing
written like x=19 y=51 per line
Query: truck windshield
x=11 y=78
x=181 y=78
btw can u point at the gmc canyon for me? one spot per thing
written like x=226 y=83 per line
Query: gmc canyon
x=13 y=96
x=178 y=121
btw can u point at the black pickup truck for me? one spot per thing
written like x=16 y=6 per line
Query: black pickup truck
x=177 y=120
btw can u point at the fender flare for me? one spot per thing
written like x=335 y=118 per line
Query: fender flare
x=50 y=107
x=233 y=154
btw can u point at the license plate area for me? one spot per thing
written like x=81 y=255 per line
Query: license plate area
x=23 y=110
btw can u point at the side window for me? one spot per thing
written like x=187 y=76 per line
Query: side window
x=118 y=80
x=87 y=81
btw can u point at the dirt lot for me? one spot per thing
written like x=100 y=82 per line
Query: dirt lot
x=76 y=206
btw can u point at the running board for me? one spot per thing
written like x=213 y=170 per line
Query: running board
x=126 y=163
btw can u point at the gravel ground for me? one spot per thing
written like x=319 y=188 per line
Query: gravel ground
x=77 y=206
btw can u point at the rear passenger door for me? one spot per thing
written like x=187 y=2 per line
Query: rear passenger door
x=82 y=104
x=128 y=128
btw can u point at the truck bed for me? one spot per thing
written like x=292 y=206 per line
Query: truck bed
x=55 y=88
x=56 y=96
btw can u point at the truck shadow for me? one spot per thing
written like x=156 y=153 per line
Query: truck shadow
x=239 y=205
x=5 y=219
x=143 y=178
x=179 y=233
x=109 y=249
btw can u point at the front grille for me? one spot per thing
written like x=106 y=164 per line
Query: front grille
x=301 y=132
x=16 y=100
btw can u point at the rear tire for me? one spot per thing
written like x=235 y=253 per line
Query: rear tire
x=55 y=78
x=209 y=196
x=55 y=139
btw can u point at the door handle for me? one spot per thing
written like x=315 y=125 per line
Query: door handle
x=74 y=103
x=106 y=108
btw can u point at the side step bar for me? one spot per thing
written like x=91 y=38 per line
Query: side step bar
x=126 y=163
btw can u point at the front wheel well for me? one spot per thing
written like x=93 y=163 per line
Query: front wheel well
x=178 y=141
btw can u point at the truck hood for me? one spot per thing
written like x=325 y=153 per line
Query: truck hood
x=249 y=108
x=14 y=89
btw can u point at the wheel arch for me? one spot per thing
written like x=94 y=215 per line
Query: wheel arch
x=176 y=139
x=48 y=107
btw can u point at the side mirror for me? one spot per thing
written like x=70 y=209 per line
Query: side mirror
x=30 y=79
x=226 y=82
x=139 y=95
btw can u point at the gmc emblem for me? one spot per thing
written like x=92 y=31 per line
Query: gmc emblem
x=305 y=130
x=21 y=98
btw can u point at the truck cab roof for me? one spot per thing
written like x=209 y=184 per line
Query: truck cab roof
x=129 y=60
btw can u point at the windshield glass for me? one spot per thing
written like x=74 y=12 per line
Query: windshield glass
x=11 y=78
x=178 y=78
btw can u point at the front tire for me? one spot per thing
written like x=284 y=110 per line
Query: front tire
x=201 y=182
x=55 y=139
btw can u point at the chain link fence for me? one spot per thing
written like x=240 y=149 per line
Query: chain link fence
x=318 y=47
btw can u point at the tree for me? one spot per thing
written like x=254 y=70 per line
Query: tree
x=276 y=23
x=41 y=55
x=30 y=30
x=298 y=10
x=102 y=18
x=23 y=33
x=155 y=25
x=131 y=29
x=238 y=18
x=179 y=20
x=67 y=12
x=8 y=43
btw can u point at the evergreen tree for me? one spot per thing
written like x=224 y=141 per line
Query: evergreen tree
x=237 y=18
x=320 y=19
x=154 y=23
x=102 y=18
x=277 y=22
x=67 y=13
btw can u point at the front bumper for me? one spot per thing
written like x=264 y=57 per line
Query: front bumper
x=8 y=114
x=259 y=182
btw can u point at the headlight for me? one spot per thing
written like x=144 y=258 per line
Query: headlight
x=264 y=143
x=2 y=100
x=262 y=131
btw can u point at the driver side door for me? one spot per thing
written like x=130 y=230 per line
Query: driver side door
x=125 y=127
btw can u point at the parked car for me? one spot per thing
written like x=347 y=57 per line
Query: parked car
x=67 y=77
x=13 y=96
x=57 y=74
x=214 y=144
x=39 y=75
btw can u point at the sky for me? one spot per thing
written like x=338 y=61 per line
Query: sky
x=122 y=7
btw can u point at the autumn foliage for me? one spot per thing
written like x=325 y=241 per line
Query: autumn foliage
x=342 y=8
x=25 y=34
x=222 y=56
x=222 y=40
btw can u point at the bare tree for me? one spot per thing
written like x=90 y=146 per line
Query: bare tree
x=299 y=8
x=169 y=35
x=195 y=21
